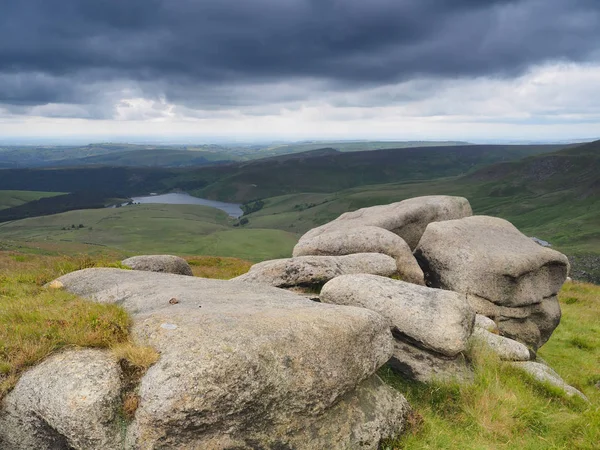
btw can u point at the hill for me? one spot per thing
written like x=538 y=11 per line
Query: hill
x=552 y=196
x=133 y=155
x=151 y=228
x=10 y=199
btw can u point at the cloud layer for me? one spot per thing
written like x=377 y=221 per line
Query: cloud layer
x=223 y=59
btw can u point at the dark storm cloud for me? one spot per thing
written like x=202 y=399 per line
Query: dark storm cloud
x=191 y=51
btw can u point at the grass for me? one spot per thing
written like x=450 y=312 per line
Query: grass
x=218 y=267
x=505 y=409
x=9 y=199
x=37 y=321
x=152 y=228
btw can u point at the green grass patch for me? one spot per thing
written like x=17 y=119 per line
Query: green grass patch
x=151 y=229
x=218 y=267
x=36 y=321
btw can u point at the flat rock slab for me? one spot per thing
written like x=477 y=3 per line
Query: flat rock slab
x=490 y=258
x=506 y=349
x=364 y=239
x=408 y=219
x=70 y=400
x=433 y=319
x=240 y=362
x=159 y=263
x=317 y=270
x=545 y=374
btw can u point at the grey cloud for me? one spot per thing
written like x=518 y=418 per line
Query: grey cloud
x=226 y=53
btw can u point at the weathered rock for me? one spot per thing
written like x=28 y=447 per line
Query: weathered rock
x=248 y=366
x=361 y=419
x=486 y=323
x=508 y=276
x=506 y=349
x=490 y=258
x=437 y=320
x=531 y=324
x=364 y=239
x=408 y=219
x=70 y=400
x=317 y=270
x=545 y=374
x=426 y=366
x=159 y=263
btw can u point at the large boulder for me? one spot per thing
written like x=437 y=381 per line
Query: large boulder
x=317 y=270
x=70 y=400
x=250 y=366
x=437 y=323
x=364 y=239
x=408 y=218
x=159 y=263
x=500 y=268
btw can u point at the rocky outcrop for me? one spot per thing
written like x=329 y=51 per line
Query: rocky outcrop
x=250 y=366
x=364 y=239
x=70 y=400
x=407 y=219
x=316 y=270
x=431 y=326
x=508 y=277
x=159 y=263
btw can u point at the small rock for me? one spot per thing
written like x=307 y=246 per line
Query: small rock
x=173 y=301
x=168 y=326
x=55 y=285
x=159 y=263
x=486 y=323
x=506 y=349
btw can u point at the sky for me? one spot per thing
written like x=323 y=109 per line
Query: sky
x=207 y=70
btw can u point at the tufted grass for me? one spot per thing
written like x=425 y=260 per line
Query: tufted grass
x=506 y=409
x=222 y=268
x=36 y=321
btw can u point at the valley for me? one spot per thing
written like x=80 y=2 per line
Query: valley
x=553 y=195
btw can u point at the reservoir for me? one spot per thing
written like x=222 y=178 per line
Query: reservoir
x=233 y=209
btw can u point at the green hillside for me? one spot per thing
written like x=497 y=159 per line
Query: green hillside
x=10 y=199
x=180 y=229
x=335 y=171
x=553 y=196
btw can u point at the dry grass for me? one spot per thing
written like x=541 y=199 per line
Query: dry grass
x=36 y=321
x=218 y=267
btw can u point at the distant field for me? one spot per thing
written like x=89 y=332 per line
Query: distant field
x=9 y=199
x=179 y=229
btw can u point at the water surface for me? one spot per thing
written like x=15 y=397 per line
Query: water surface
x=233 y=209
